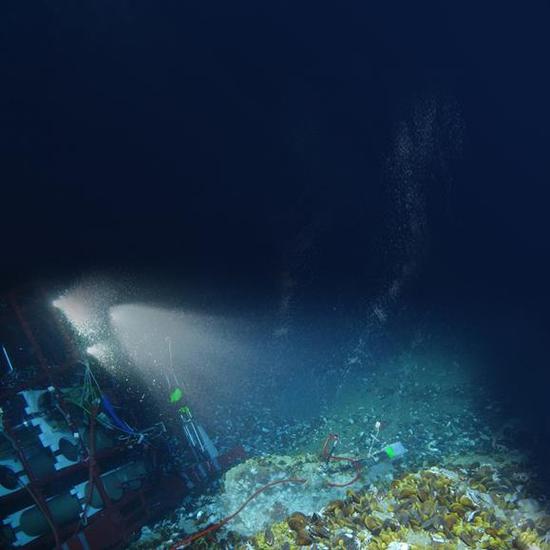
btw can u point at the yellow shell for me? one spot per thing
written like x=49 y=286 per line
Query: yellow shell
x=297 y=521
x=466 y=502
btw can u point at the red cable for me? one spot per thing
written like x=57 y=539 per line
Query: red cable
x=91 y=469
x=221 y=523
x=227 y=519
x=325 y=453
x=91 y=462
x=356 y=465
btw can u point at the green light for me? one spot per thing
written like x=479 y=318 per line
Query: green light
x=176 y=395
x=389 y=451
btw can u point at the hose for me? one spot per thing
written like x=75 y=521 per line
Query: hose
x=44 y=509
x=356 y=465
x=45 y=513
x=325 y=454
x=91 y=463
x=227 y=519
x=91 y=469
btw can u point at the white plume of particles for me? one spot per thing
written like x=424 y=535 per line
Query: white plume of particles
x=297 y=272
x=424 y=145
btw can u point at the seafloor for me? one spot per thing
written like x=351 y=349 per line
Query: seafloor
x=464 y=482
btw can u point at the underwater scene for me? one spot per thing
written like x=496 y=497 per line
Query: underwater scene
x=274 y=276
x=125 y=425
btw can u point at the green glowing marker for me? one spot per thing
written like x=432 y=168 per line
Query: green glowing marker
x=390 y=453
x=395 y=450
x=176 y=395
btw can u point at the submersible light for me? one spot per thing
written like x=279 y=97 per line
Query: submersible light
x=85 y=307
x=103 y=352
x=94 y=350
x=78 y=312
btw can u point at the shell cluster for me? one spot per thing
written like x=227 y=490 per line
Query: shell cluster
x=432 y=508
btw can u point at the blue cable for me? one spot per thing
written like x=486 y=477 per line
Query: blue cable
x=107 y=405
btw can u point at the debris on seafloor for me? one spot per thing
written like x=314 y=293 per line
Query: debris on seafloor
x=277 y=503
x=474 y=506
x=456 y=489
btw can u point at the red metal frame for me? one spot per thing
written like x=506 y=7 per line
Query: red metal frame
x=111 y=527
